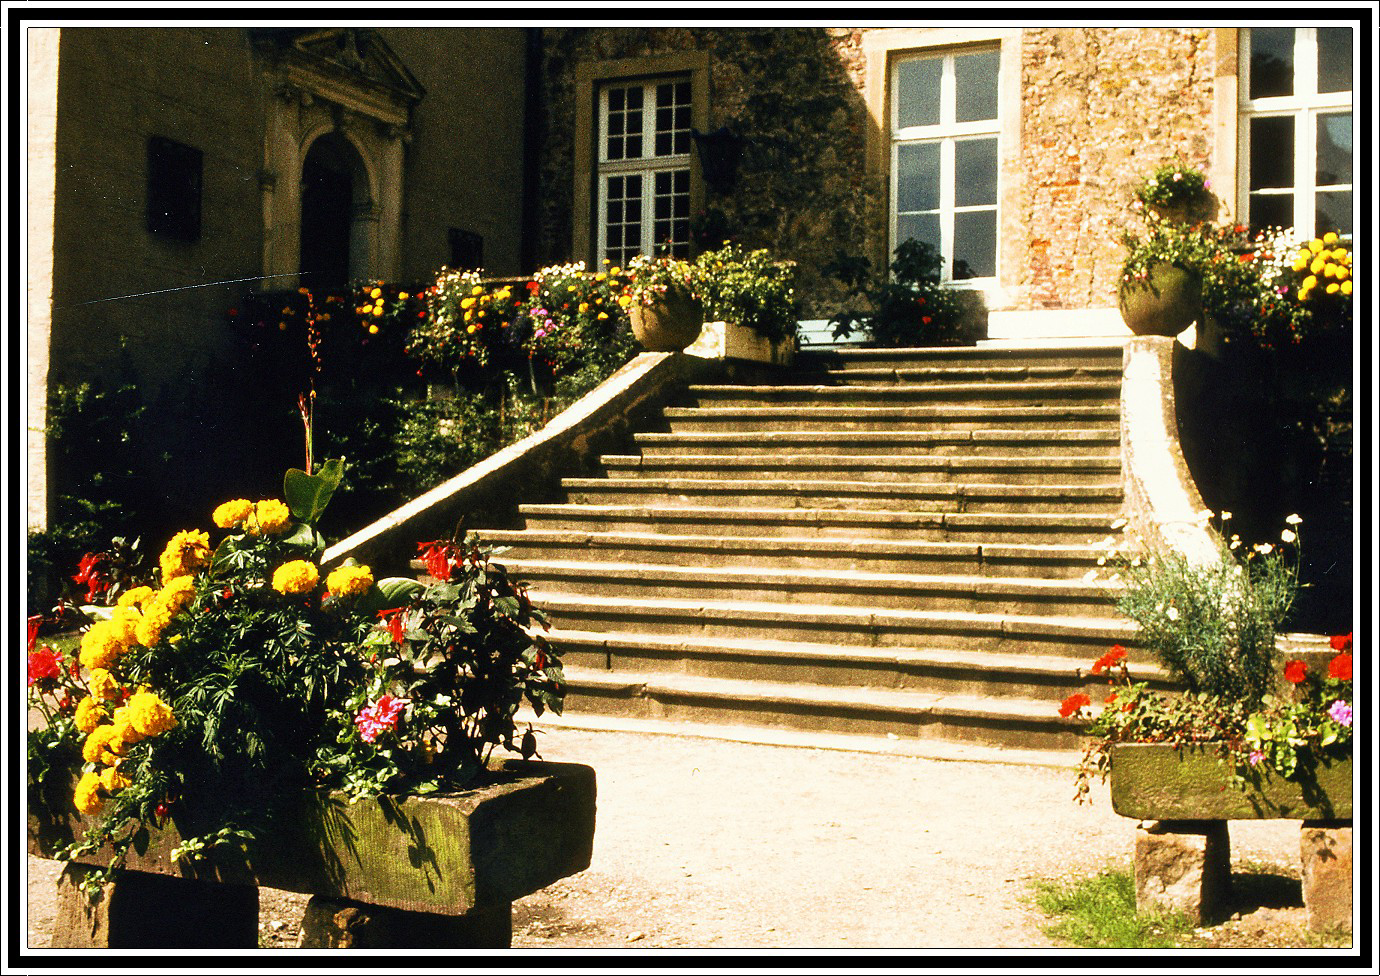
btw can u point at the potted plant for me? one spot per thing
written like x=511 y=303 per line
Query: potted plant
x=1177 y=193
x=1271 y=730
x=749 y=302
x=665 y=309
x=1161 y=280
x=911 y=307
x=244 y=694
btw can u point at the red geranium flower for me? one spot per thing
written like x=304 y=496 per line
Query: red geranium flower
x=1110 y=658
x=1342 y=642
x=90 y=575
x=1294 y=672
x=1340 y=667
x=45 y=664
x=35 y=622
x=1073 y=703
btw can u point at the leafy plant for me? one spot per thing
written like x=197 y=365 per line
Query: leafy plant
x=749 y=289
x=650 y=278
x=1173 y=184
x=911 y=308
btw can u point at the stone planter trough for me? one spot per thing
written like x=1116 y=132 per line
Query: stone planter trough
x=728 y=340
x=439 y=871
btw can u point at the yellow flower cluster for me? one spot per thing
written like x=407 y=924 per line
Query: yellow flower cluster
x=135 y=597
x=270 y=517
x=144 y=716
x=186 y=552
x=103 y=685
x=232 y=513
x=297 y=576
x=128 y=624
x=1328 y=265
x=349 y=581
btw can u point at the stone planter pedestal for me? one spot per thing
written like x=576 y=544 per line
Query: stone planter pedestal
x=394 y=872
x=1184 y=799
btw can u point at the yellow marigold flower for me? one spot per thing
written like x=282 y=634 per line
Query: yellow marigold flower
x=1330 y=237
x=149 y=715
x=178 y=594
x=186 y=552
x=584 y=306
x=603 y=315
x=89 y=715
x=99 y=646
x=1332 y=288
x=467 y=303
x=624 y=300
x=103 y=745
x=1318 y=264
x=402 y=296
x=124 y=621
x=232 y=513
x=87 y=798
x=1310 y=282
x=469 y=330
x=1315 y=245
x=112 y=779
x=376 y=293
x=349 y=581
x=373 y=330
x=135 y=597
x=378 y=310
x=1299 y=264
x=156 y=619
x=297 y=576
x=271 y=517
x=1346 y=288
x=103 y=685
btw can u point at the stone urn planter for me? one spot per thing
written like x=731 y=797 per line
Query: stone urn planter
x=670 y=323
x=1165 y=303
x=1184 y=799
x=440 y=871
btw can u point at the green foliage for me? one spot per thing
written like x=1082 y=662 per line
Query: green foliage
x=750 y=289
x=1173 y=184
x=911 y=308
x=1099 y=912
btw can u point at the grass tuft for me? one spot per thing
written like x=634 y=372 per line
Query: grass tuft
x=1099 y=912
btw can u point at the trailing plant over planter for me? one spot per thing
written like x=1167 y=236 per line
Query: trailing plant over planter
x=242 y=674
x=1174 y=189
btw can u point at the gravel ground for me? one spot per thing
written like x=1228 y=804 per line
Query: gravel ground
x=711 y=844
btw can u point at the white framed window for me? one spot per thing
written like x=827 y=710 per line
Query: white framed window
x=1295 y=133
x=944 y=157
x=644 y=142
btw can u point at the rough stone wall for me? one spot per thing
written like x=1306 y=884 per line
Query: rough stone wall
x=793 y=93
x=1100 y=108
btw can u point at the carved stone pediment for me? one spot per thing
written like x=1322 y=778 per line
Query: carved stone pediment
x=349 y=66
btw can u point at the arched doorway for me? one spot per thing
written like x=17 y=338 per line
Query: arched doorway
x=335 y=199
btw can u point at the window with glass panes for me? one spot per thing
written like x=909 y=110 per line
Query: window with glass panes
x=944 y=157
x=644 y=169
x=1295 y=128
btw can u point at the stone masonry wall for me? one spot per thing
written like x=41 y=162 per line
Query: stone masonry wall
x=1099 y=108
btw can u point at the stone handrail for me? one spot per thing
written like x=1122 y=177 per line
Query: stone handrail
x=533 y=466
x=1163 y=505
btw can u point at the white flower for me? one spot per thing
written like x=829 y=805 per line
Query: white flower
x=1101 y=560
x=1287 y=536
x=1226 y=516
x=1264 y=548
x=1204 y=515
x=1293 y=520
x=1172 y=613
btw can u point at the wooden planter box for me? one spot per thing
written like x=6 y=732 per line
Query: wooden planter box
x=1152 y=781
x=463 y=855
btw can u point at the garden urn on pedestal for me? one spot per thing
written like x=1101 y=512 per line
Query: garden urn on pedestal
x=670 y=322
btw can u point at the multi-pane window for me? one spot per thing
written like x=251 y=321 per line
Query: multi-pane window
x=1295 y=118
x=944 y=157
x=644 y=169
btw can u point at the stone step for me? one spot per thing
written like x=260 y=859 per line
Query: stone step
x=1048 y=528
x=1030 y=724
x=902 y=373
x=957 y=356
x=1095 y=442
x=958 y=469
x=935 y=670
x=1029 y=393
x=693 y=619
x=1103 y=417
x=848 y=588
x=870 y=555
x=777 y=492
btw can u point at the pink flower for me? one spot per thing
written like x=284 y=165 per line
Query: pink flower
x=1257 y=757
x=379 y=717
x=1340 y=713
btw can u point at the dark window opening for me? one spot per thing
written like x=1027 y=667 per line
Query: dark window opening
x=466 y=250
x=174 y=189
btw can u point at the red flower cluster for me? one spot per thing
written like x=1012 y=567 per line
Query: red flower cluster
x=35 y=623
x=438 y=556
x=1342 y=642
x=1106 y=661
x=395 y=621
x=91 y=575
x=45 y=664
x=1340 y=667
x=1295 y=671
x=1073 y=703
x=379 y=717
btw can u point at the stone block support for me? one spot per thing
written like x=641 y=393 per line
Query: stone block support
x=1325 y=849
x=1183 y=866
x=338 y=923
x=152 y=911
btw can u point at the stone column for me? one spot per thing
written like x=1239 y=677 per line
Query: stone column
x=42 y=193
x=154 y=911
x=1325 y=846
x=1183 y=866
x=338 y=923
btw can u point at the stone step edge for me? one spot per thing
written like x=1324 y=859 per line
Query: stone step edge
x=978 y=390
x=996 y=351
x=974 y=489
x=938 y=750
x=1070 y=520
x=1035 y=665
x=812 y=545
x=880 y=462
x=1111 y=433
x=1037 y=371
x=912 y=703
x=767 y=575
x=1110 y=409
x=1111 y=629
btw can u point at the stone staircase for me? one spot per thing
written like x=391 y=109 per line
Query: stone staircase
x=894 y=543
